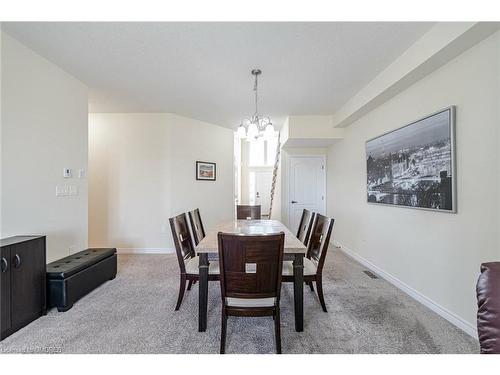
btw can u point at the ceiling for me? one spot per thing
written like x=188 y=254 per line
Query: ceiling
x=202 y=70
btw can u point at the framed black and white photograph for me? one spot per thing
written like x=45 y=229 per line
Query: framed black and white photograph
x=205 y=171
x=414 y=166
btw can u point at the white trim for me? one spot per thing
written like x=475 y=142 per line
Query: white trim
x=438 y=309
x=126 y=250
x=289 y=168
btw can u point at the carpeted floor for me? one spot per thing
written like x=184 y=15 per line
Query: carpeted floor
x=135 y=314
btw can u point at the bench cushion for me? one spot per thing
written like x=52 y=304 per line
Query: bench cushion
x=70 y=265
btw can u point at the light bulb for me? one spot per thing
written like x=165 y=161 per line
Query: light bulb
x=241 y=132
x=269 y=132
x=252 y=131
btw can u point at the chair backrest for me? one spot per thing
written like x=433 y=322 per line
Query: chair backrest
x=182 y=240
x=250 y=265
x=248 y=212
x=305 y=226
x=196 y=226
x=320 y=239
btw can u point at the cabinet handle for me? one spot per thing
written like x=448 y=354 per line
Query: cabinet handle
x=17 y=261
x=5 y=265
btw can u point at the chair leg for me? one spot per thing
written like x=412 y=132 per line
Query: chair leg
x=182 y=287
x=190 y=284
x=223 y=333
x=310 y=285
x=319 y=286
x=277 y=330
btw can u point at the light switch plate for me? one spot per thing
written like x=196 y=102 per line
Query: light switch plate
x=67 y=172
x=62 y=190
x=66 y=190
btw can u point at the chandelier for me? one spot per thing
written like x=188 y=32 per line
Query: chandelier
x=257 y=125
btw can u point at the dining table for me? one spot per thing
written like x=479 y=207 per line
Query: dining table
x=294 y=250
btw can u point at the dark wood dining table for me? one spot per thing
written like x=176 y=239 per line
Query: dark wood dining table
x=293 y=250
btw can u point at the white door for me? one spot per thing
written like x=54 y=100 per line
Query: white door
x=262 y=190
x=306 y=187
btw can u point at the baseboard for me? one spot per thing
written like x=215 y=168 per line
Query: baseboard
x=125 y=250
x=443 y=312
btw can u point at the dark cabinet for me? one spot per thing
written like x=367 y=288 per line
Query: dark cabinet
x=4 y=290
x=22 y=282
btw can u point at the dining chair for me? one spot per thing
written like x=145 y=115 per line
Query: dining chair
x=305 y=226
x=188 y=261
x=246 y=212
x=196 y=226
x=315 y=256
x=250 y=278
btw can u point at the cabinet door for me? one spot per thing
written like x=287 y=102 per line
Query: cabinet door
x=28 y=281
x=5 y=289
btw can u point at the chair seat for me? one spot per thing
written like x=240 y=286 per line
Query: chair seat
x=193 y=264
x=250 y=302
x=310 y=267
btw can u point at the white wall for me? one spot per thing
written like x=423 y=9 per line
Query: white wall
x=44 y=129
x=142 y=171
x=435 y=254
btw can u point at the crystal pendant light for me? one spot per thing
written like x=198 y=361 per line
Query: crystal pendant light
x=258 y=125
x=252 y=132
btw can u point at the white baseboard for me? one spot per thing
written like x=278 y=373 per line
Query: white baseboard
x=124 y=250
x=443 y=312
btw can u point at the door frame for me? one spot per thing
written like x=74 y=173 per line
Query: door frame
x=289 y=169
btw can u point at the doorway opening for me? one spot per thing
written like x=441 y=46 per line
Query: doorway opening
x=254 y=166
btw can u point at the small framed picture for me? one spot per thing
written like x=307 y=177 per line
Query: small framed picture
x=205 y=171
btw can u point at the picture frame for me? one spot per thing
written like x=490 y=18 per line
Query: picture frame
x=414 y=166
x=206 y=171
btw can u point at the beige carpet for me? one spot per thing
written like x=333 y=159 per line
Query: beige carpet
x=135 y=314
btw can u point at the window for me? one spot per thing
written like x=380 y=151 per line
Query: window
x=256 y=150
x=272 y=144
x=262 y=153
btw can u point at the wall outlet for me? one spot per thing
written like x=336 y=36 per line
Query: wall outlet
x=81 y=173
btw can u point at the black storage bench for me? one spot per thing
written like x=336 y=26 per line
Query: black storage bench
x=70 y=278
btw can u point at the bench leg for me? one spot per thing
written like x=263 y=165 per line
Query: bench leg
x=65 y=308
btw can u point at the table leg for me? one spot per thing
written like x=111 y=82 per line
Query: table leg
x=203 y=293
x=298 y=291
